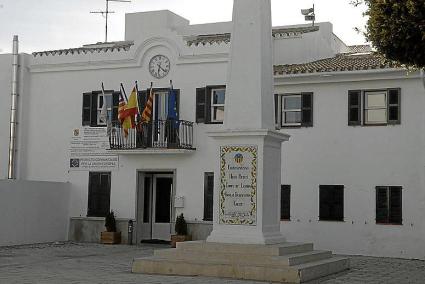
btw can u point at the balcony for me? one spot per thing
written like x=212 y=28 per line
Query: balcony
x=159 y=136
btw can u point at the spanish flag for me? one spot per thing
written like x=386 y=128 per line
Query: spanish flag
x=128 y=111
x=147 y=112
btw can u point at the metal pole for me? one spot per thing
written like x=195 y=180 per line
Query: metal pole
x=106 y=26
x=13 y=110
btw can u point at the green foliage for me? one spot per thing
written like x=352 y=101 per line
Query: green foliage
x=181 y=225
x=110 y=223
x=397 y=29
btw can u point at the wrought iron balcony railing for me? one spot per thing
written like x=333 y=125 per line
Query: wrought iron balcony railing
x=165 y=134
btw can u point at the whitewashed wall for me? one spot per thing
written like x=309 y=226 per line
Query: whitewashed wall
x=5 y=91
x=33 y=212
x=360 y=158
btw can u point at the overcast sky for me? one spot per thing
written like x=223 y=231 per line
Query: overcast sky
x=55 y=24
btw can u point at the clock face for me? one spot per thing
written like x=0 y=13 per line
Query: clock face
x=159 y=66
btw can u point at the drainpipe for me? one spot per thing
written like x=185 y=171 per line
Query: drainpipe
x=423 y=76
x=13 y=111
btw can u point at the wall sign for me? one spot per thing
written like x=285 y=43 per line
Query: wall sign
x=88 y=150
x=238 y=185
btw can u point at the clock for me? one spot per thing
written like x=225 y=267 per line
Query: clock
x=159 y=66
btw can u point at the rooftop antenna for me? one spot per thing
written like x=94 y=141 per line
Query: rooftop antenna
x=106 y=13
x=309 y=14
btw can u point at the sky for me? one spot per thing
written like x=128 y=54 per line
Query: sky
x=58 y=24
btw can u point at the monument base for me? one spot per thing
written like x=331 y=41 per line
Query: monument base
x=284 y=262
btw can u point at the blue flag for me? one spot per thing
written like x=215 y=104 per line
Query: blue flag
x=172 y=106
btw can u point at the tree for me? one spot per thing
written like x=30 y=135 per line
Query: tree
x=397 y=29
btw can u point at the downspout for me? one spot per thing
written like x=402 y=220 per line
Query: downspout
x=13 y=111
x=423 y=77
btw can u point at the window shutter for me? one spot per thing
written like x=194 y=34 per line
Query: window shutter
x=93 y=111
x=394 y=103
x=354 y=107
x=86 y=109
x=324 y=210
x=208 y=196
x=307 y=109
x=339 y=202
x=285 y=202
x=276 y=110
x=99 y=194
x=382 y=204
x=142 y=99
x=395 y=205
x=178 y=103
x=115 y=104
x=201 y=105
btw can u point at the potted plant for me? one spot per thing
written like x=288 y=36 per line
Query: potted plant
x=110 y=236
x=181 y=231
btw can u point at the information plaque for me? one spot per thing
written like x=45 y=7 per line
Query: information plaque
x=238 y=185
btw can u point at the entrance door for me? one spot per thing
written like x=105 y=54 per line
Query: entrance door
x=154 y=206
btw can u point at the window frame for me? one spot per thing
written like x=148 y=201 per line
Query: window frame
x=336 y=218
x=203 y=105
x=283 y=111
x=214 y=106
x=389 y=193
x=362 y=107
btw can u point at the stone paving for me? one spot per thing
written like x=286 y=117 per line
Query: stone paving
x=76 y=263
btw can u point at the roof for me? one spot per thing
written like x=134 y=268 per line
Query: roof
x=341 y=62
x=225 y=37
x=98 y=47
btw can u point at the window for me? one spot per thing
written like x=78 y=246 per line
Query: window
x=294 y=110
x=331 y=203
x=208 y=196
x=217 y=104
x=285 y=202
x=210 y=104
x=93 y=104
x=99 y=194
x=388 y=205
x=379 y=107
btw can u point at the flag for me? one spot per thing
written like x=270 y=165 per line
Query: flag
x=128 y=111
x=147 y=112
x=172 y=107
x=104 y=111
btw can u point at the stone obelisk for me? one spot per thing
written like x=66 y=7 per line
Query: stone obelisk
x=248 y=150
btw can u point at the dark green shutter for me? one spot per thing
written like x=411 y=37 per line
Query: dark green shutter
x=99 y=194
x=87 y=97
x=382 y=204
x=115 y=105
x=307 y=109
x=201 y=105
x=276 y=110
x=285 y=202
x=395 y=216
x=354 y=107
x=142 y=99
x=93 y=110
x=208 y=196
x=394 y=103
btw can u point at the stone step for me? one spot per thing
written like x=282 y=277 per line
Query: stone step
x=276 y=250
x=264 y=272
x=252 y=259
x=313 y=270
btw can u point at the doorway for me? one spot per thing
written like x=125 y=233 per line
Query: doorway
x=154 y=206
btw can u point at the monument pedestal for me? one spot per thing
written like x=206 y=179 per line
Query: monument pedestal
x=285 y=262
x=247 y=187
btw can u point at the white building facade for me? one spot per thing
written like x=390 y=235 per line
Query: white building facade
x=353 y=174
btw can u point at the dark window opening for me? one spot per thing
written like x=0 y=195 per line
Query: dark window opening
x=208 y=196
x=389 y=205
x=99 y=194
x=331 y=203
x=285 y=202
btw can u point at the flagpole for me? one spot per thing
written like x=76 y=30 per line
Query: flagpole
x=123 y=91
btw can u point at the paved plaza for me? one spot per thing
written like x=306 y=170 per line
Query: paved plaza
x=94 y=263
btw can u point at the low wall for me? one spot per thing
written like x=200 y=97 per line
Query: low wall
x=33 y=212
x=88 y=229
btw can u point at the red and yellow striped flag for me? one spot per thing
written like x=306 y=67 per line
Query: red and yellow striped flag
x=147 y=112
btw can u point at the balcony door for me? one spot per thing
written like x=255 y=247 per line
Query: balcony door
x=154 y=206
